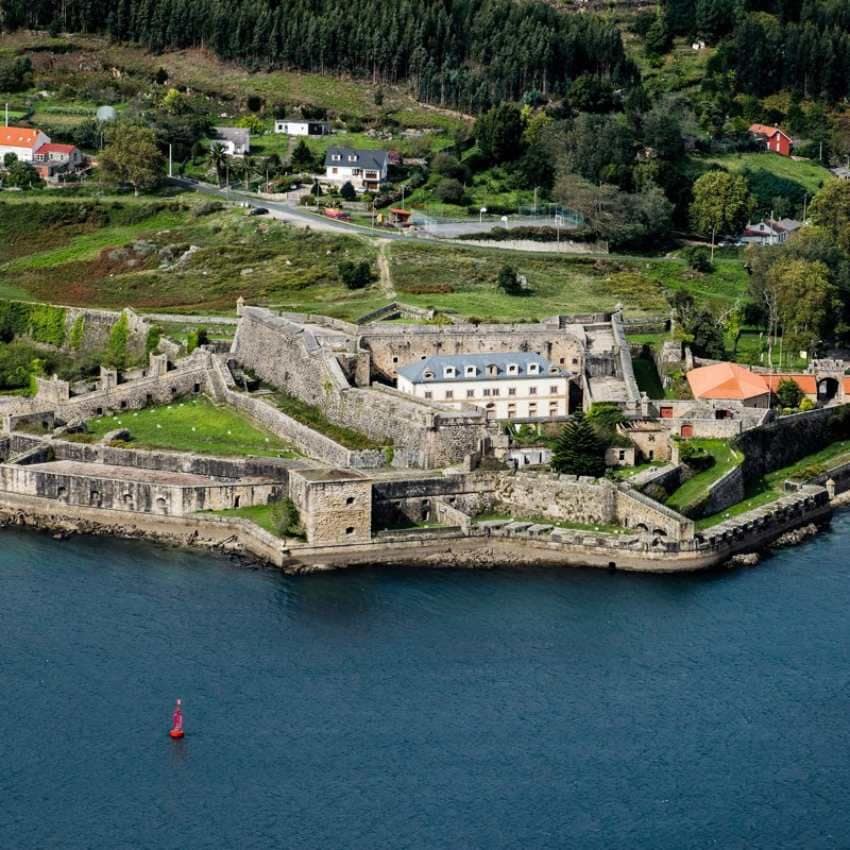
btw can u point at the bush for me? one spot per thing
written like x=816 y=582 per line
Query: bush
x=286 y=518
x=788 y=393
x=509 y=281
x=355 y=275
x=698 y=258
x=696 y=457
x=116 y=348
x=807 y=404
x=347 y=192
x=447 y=165
x=450 y=191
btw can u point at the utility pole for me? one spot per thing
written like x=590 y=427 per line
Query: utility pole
x=7 y=114
x=170 y=161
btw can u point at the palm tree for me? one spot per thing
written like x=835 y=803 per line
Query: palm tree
x=217 y=159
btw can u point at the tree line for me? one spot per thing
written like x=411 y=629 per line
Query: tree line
x=464 y=53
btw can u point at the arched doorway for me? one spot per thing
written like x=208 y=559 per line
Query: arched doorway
x=827 y=389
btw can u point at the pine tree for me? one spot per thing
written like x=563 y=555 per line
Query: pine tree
x=579 y=451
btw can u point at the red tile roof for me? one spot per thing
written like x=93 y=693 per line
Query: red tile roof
x=18 y=137
x=806 y=383
x=726 y=381
x=55 y=148
x=767 y=130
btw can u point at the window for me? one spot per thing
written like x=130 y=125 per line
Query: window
x=450 y=394
x=352 y=157
x=497 y=392
x=395 y=359
x=335 y=157
x=349 y=500
x=563 y=360
x=429 y=394
x=533 y=368
x=553 y=390
x=486 y=393
x=532 y=409
x=651 y=438
x=470 y=393
x=349 y=530
x=575 y=361
x=334 y=171
x=553 y=408
x=356 y=172
x=449 y=372
x=428 y=374
x=511 y=390
x=532 y=390
x=511 y=411
x=513 y=369
x=470 y=372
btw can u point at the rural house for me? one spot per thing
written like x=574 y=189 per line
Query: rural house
x=236 y=141
x=301 y=127
x=770 y=231
x=364 y=169
x=775 y=139
x=21 y=141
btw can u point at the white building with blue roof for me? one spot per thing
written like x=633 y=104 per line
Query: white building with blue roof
x=511 y=385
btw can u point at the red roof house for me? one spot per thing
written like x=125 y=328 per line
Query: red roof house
x=776 y=140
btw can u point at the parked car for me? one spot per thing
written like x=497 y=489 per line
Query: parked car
x=258 y=211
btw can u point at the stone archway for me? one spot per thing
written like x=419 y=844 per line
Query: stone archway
x=827 y=389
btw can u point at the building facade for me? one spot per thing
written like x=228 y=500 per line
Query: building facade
x=513 y=385
x=301 y=127
x=21 y=141
x=366 y=170
x=775 y=139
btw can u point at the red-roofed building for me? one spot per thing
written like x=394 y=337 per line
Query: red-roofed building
x=729 y=382
x=776 y=140
x=51 y=160
x=21 y=141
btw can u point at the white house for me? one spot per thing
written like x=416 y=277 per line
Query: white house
x=364 y=169
x=513 y=385
x=770 y=231
x=301 y=127
x=236 y=141
x=21 y=141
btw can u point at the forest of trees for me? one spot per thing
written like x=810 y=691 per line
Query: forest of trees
x=770 y=45
x=463 y=53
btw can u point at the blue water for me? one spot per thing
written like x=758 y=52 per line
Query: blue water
x=420 y=709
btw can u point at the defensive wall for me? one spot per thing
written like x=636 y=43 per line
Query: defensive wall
x=289 y=356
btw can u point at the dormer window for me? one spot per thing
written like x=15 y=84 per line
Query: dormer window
x=449 y=372
x=513 y=369
x=352 y=157
x=533 y=368
x=470 y=372
x=336 y=157
x=492 y=369
x=428 y=375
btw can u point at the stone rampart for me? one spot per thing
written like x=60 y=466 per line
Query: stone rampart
x=335 y=505
x=588 y=501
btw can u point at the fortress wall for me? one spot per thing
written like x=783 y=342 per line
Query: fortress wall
x=284 y=355
x=559 y=497
x=392 y=347
x=333 y=509
x=98 y=491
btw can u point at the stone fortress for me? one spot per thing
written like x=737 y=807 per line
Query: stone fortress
x=418 y=494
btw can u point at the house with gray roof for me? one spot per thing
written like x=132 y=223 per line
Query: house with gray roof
x=514 y=385
x=366 y=170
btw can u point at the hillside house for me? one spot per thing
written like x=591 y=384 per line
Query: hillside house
x=512 y=385
x=366 y=170
x=301 y=127
x=53 y=161
x=775 y=139
x=770 y=231
x=236 y=141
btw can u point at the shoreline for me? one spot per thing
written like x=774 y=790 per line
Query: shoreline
x=243 y=540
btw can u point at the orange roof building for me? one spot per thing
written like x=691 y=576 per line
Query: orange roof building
x=21 y=141
x=729 y=382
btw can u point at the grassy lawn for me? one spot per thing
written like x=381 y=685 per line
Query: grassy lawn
x=193 y=425
x=624 y=473
x=695 y=489
x=265 y=516
x=647 y=378
x=314 y=418
x=769 y=489
x=804 y=173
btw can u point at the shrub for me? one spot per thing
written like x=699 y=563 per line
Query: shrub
x=696 y=457
x=698 y=258
x=286 y=518
x=807 y=404
x=152 y=339
x=447 y=165
x=450 y=191
x=788 y=393
x=509 y=281
x=77 y=332
x=47 y=324
x=116 y=348
x=355 y=275
x=347 y=192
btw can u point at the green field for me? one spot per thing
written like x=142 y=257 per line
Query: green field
x=265 y=516
x=769 y=488
x=695 y=489
x=192 y=425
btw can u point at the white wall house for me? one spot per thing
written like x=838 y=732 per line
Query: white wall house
x=301 y=127
x=236 y=141
x=21 y=141
x=513 y=385
x=364 y=169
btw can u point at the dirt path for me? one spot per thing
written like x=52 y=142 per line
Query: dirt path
x=384 y=276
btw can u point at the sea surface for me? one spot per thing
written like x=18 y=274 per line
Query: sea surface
x=420 y=709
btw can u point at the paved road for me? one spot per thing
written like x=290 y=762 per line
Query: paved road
x=287 y=212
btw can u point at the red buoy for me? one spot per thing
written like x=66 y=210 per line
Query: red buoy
x=177 y=721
